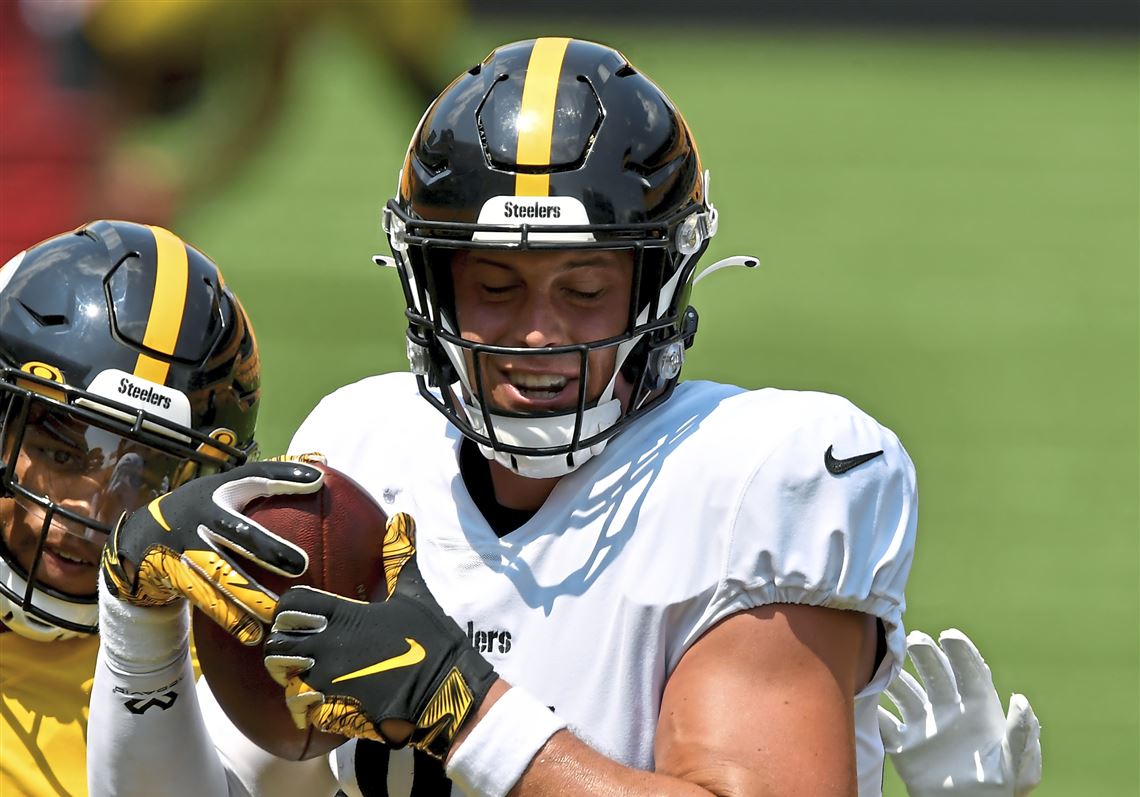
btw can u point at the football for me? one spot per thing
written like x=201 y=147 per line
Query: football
x=341 y=528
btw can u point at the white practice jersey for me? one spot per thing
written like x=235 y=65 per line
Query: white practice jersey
x=716 y=502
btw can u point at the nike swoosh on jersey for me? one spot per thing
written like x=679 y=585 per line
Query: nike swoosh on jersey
x=414 y=655
x=839 y=466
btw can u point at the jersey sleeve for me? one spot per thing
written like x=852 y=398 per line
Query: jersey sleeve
x=840 y=536
x=329 y=430
x=318 y=431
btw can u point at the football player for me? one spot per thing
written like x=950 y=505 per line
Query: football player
x=621 y=583
x=127 y=367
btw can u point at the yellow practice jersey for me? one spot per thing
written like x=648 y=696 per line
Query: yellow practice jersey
x=44 y=689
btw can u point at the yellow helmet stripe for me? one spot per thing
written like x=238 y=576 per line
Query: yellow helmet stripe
x=168 y=305
x=536 y=114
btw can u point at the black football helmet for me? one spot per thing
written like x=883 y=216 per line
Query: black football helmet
x=551 y=143
x=127 y=367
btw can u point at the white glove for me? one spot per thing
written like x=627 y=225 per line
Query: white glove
x=954 y=740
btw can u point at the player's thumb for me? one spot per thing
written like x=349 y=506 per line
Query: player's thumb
x=890 y=729
x=309 y=458
x=1023 y=731
x=399 y=551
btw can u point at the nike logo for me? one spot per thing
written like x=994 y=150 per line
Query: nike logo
x=838 y=466
x=414 y=655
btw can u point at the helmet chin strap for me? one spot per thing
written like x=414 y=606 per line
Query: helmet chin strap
x=552 y=430
x=32 y=627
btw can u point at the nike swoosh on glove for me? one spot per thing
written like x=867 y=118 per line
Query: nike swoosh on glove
x=187 y=544
x=954 y=739
x=348 y=666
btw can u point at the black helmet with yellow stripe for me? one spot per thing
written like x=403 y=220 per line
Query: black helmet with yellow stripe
x=551 y=143
x=126 y=368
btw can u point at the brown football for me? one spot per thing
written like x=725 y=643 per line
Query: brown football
x=342 y=529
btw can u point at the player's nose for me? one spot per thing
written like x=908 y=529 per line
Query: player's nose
x=541 y=323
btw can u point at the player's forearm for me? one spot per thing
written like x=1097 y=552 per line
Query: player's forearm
x=563 y=765
x=146 y=734
x=162 y=749
x=568 y=766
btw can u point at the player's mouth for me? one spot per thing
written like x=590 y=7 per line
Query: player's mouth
x=67 y=569
x=540 y=390
x=70 y=559
x=74 y=557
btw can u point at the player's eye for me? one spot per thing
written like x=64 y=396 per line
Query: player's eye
x=61 y=457
x=496 y=289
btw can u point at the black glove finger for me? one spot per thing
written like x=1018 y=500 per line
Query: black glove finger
x=292 y=622
x=342 y=634
x=255 y=542
x=290 y=635
x=275 y=470
x=215 y=503
x=410 y=586
x=311 y=601
x=251 y=539
x=213 y=500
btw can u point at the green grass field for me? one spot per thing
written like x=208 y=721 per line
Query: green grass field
x=948 y=229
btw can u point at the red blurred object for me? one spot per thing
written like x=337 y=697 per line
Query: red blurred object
x=49 y=142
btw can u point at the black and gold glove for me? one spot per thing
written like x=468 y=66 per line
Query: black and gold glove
x=181 y=544
x=348 y=666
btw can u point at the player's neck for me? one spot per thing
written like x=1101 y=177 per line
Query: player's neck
x=519 y=492
x=476 y=472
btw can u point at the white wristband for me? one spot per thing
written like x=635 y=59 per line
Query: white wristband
x=142 y=639
x=500 y=747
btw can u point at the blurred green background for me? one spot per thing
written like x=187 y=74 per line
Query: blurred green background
x=948 y=227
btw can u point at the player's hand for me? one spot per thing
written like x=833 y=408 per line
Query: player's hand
x=954 y=740
x=378 y=670
x=186 y=544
